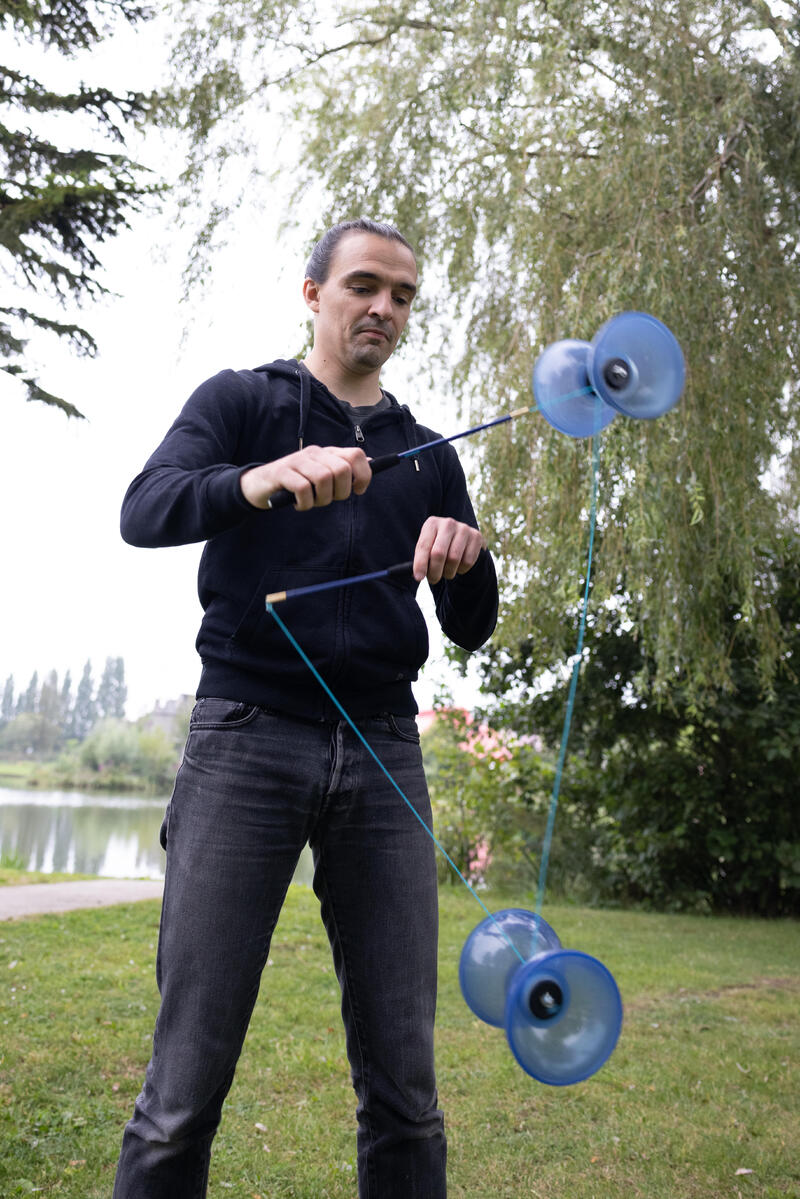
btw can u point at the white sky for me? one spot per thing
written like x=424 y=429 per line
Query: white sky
x=72 y=589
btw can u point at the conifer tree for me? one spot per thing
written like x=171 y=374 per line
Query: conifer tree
x=84 y=714
x=28 y=700
x=65 y=703
x=112 y=692
x=7 y=709
x=59 y=201
x=49 y=706
x=120 y=688
x=49 y=724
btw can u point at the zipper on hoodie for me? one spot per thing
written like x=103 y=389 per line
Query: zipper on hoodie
x=359 y=432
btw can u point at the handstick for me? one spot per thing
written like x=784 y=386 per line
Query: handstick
x=284 y=499
x=277 y=597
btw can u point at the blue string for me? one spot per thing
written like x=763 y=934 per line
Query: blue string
x=396 y=786
x=576 y=667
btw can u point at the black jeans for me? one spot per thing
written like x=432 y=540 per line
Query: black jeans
x=253 y=788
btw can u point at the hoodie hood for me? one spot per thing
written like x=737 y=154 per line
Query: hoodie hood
x=307 y=384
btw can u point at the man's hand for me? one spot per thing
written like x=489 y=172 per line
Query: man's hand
x=317 y=476
x=446 y=548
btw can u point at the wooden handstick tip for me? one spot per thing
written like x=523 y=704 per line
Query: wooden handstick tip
x=276 y=597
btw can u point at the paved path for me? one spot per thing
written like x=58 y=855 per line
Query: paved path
x=34 y=899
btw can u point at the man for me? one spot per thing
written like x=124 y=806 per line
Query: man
x=269 y=764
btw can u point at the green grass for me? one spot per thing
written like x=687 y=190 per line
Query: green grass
x=702 y=1084
x=17 y=774
x=13 y=874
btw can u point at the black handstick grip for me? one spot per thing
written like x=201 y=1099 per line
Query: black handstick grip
x=285 y=499
x=280 y=499
x=401 y=569
x=384 y=462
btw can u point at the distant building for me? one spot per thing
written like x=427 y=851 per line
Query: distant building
x=165 y=715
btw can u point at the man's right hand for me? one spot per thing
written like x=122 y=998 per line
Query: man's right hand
x=317 y=476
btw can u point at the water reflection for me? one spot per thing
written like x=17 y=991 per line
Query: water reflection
x=112 y=835
x=77 y=833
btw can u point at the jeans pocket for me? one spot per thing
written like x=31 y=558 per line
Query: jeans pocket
x=403 y=727
x=212 y=713
x=163 y=835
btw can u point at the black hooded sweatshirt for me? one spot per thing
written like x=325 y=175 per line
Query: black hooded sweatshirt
x=367 y=641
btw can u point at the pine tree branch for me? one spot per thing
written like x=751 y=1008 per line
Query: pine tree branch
x=58 y=204
x=26 y=92
x=38 y=393
x=66 y=24
x=79 y=337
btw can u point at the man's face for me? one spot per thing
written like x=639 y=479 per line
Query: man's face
x=362 y=307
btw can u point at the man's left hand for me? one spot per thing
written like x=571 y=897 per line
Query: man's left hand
x=446 y=548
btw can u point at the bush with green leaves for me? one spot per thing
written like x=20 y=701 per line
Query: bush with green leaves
x=491 y=794
x=691 y=807
x=116 y=755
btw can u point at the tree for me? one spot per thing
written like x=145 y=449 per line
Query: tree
x=33 y=725
x=48 y=733
x=65 y=704
x=23 y=735
x=463 y=774
x=490 y=795
x=112 y=692
x=57 y=201
x=689 y=808
x=7 y=710
x=557 y=163
x=42 y=718
x=28 y=700
x=84 y=714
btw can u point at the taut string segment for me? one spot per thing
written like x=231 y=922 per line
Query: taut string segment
x=346 y=716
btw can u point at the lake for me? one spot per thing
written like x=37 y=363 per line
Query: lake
x=76 y=832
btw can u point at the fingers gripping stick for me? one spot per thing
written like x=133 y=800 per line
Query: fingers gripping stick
x=285 y=499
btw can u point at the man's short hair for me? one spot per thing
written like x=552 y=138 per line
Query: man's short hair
x=319 y=264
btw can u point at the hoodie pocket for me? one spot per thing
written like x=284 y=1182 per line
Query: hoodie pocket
x=257 y=639
x=388 y=636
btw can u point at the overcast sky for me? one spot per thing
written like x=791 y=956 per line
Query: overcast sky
x=72 y=589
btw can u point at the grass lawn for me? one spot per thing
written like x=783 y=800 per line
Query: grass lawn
x=13 y=876
x=16 y=774
x=700 y=1098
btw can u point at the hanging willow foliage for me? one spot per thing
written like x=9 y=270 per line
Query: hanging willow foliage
x=556 y=163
